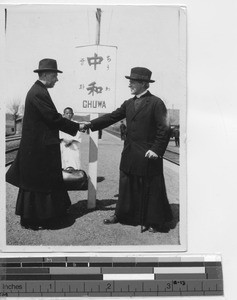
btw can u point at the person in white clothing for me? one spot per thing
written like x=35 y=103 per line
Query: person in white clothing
x=70 y=145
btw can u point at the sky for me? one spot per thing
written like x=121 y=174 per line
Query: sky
x=145 y=36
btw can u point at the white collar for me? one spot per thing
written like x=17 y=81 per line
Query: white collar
x=42 y=81
x=139 y=95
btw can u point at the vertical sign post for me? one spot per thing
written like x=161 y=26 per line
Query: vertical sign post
x=93 y=159
x=96 y=87
x=93 y=145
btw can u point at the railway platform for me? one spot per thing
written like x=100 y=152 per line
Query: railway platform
x=85 y=227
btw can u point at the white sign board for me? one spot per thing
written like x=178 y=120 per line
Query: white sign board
x=95 y=76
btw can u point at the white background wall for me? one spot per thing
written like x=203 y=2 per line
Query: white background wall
x=211 y=129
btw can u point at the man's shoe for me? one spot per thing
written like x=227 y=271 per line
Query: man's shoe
x=152 y=229
x=112 y=220
x=160 y=228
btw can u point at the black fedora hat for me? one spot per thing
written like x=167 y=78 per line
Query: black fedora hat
x=140 y=74
x=47 y=65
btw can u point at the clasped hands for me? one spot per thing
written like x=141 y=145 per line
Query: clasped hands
x=83 y=126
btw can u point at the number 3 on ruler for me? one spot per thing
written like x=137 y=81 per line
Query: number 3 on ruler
x=168 y=286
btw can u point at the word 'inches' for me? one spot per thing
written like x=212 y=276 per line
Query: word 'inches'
x=93 y=104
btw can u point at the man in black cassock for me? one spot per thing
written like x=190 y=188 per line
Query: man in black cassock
x=142 y=193
x=42 y=198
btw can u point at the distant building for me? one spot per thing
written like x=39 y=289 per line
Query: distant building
x=13 y=126
x=174 y=116
x=174 y=120
x=19 y=122
x=10 y=125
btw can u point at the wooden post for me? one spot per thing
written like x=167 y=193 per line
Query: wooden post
x=93 y=145
x=93 y=158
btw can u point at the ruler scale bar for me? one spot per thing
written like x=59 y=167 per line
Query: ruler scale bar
x=110 y=276
x=159 y=287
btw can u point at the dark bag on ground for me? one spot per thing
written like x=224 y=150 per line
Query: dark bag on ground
x=75 y=180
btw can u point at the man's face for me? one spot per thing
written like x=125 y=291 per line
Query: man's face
x=68 y=114
x=136 y=87
x=51 y=78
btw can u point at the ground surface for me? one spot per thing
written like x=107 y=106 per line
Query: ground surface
x=85 y=227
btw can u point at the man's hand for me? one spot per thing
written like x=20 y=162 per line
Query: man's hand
x=150 y=154
x=83 y=126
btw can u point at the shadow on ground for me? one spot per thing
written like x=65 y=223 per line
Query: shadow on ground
x=100 y=178
x=80 y=209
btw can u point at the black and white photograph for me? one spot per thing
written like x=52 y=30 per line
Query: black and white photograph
x=94 y=113
x=118 y=148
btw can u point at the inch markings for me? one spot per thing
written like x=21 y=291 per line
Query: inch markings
x=110 y=276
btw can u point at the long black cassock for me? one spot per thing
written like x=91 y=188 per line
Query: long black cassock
x=142 y=192
x=37 y=169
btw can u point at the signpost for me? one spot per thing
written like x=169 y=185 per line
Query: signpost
x=96 y=78
x=96 y=86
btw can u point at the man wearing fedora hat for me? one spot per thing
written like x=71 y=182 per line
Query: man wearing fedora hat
x=42 y=198
x=142 y=193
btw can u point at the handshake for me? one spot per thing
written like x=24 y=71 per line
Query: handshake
x=84 y=126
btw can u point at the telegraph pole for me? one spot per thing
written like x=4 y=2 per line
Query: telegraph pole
x=93 y=144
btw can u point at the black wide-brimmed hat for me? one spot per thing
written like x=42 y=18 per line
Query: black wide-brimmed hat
x=140 y=74
x=47 y=65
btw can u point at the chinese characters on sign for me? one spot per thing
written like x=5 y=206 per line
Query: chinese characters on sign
x=96 y=78
x=94 y=89
x=94 y=60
